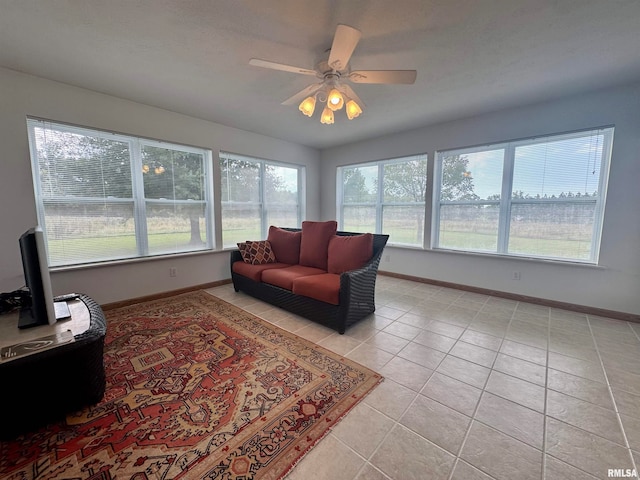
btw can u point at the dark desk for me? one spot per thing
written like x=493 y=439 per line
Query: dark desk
x=45 y=386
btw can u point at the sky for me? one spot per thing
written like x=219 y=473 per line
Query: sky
x=550 y=168
x=568 y=163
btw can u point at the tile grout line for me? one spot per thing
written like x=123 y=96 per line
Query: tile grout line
x=543 y=473
x=483 y=390
x=366 y=460
x=613 y=399
x=475 y=410
x=397 y=422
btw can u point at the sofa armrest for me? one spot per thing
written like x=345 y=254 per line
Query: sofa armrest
x=357 y=287
x=235 y=257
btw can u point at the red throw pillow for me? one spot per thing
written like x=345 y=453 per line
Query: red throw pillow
x=260 y=252
x=314 y=245
x=349 y=252
x=285 y=245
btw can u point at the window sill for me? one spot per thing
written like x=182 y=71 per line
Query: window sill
x=128 y=261
x=547 y=261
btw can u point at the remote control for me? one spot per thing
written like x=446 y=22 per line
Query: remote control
x=66 y=297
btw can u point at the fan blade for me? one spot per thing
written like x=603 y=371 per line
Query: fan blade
x=348 y=91
x=407 y=77
x=302 y=94
x=256 y=62
x=344 y=42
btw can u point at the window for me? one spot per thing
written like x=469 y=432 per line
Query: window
x=256 y=194
x=385 y=197
x=103 y=196
x=541 y=197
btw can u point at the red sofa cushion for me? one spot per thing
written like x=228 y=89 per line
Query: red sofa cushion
x=315 y=243
x=285 y=245
x=254 y=272
x=284 y=277
x=325 y=287
x=349 y=252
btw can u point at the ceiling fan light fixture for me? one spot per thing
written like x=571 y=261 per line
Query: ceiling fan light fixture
x=334 y=100
x=308 y=106
x=353 y=109
x=334 y=72
x=327 y=116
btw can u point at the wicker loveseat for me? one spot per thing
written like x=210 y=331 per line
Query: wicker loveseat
x=328 y=292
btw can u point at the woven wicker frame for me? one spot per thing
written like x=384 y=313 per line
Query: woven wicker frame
x=42 y=388
x=356 y=297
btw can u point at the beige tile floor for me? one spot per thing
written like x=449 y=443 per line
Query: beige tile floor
x=477 y=387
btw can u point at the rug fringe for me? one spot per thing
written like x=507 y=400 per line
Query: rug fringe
x=328 y=431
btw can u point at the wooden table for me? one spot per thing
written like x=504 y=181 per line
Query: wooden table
x=10 y=334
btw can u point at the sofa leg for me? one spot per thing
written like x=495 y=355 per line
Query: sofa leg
x=236 y=289
x=341 y=330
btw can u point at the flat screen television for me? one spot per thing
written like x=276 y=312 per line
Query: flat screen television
x=41 y=309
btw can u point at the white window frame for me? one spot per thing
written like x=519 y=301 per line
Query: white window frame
x=138 y=197
x=379 y=203
x=506 y=201
x=263 y=163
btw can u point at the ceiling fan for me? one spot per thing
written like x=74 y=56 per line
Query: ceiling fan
x=334 y=72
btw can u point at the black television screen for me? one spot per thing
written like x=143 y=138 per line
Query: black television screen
x=36 y=275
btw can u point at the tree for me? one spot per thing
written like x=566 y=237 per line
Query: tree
x=354 y=187
x=457 y=180
x=175 y=175
x=75 y=165
x=240 y=181
x=407 y=182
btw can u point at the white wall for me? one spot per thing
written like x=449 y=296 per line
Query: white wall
x=614 y=285
x=23 y=95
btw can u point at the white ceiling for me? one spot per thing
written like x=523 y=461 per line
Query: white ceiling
x=191 y=56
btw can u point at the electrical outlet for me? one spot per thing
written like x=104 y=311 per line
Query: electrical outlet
x=515 y=275
x=173 y=272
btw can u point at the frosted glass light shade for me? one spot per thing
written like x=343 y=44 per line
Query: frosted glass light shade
x=327 y=116
x=353 y=110
x=335 y=100
x=308 y=106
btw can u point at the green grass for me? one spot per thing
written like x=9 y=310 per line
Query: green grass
x=230 y=237
x=112 y=247
x=468 y=241
x=124 y=246
x=406 y=236
x=559 y=248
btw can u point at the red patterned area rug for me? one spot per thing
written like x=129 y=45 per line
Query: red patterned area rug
x=196 y=389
